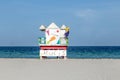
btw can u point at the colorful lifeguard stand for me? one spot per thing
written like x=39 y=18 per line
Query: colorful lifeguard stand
x=55 y=42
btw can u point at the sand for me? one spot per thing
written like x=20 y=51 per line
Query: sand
x=53 y=69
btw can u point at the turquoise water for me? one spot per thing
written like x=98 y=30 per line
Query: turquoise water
x=76 y=52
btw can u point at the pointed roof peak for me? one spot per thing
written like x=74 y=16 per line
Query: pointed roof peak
x=53 y=23
x=53 y=26
x=63 y=27
x=42 y=28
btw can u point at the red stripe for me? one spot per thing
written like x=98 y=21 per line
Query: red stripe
x=53 y=47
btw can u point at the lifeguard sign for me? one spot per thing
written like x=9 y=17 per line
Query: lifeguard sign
x=55 y=42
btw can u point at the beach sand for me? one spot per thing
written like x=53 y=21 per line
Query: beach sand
x=58 y=69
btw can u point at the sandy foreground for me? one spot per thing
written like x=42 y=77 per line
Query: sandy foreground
x=57 y=69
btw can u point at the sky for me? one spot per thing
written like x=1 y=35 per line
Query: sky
x=91 y=22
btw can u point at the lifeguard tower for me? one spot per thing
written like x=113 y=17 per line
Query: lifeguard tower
x=55 y=42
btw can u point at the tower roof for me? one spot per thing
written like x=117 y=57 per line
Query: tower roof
x=63 y=27
x=53 y=26
x=42 y=27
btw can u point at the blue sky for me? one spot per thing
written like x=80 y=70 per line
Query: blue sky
x=91 y=22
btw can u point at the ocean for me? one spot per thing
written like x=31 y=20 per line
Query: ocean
x=73 y=52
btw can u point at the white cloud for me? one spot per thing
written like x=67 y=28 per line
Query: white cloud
x=85 y=13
